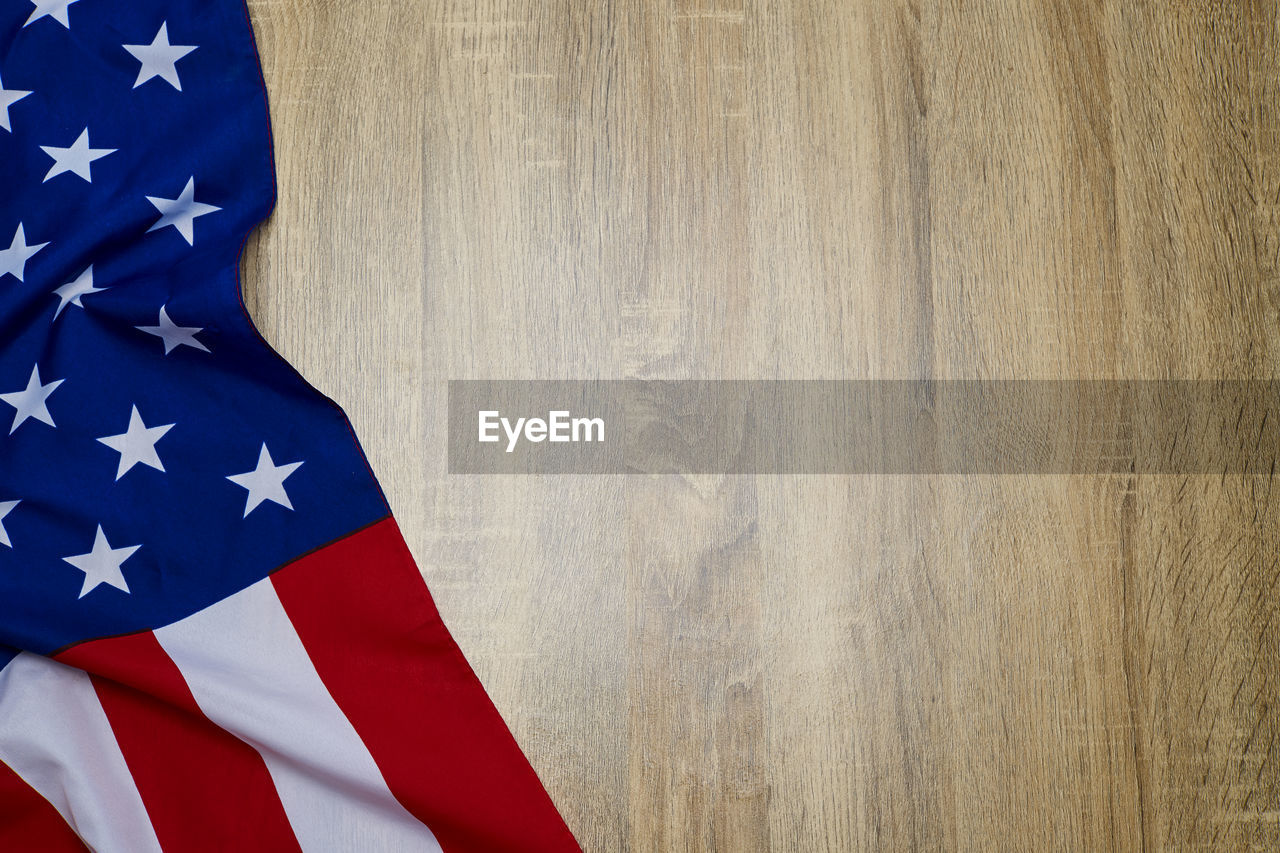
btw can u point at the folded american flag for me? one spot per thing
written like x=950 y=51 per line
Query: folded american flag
x=212 y=635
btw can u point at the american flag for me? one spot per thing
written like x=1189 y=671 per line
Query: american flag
x=212 y=634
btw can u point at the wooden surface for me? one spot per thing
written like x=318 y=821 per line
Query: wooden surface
x=816 y=188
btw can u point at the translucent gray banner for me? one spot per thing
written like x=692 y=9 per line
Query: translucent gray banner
x=863 y=427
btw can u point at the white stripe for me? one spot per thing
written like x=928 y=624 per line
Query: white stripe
x=55 y=735
x=251 y=675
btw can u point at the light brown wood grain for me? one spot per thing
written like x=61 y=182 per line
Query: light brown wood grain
x=818 y=188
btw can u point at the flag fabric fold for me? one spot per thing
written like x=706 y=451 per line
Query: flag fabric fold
x=212 y=634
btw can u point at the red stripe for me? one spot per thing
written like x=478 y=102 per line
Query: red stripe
x=30 y=822
x=204 y=789
x=371 y=629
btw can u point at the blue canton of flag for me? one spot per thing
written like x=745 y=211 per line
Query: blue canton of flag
x=212 y=635
x=143 y=477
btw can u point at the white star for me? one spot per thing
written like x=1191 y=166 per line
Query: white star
x=137 y=444
x=76 y=158
x=71 y=292
x=31 y=401
x=172 y=334
x=56 y=9
x=181 y=212
x=102 y=564
x=266 y=482
x=8 y=97
x=159 y=58
x=13 y=260
x=6 y=507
